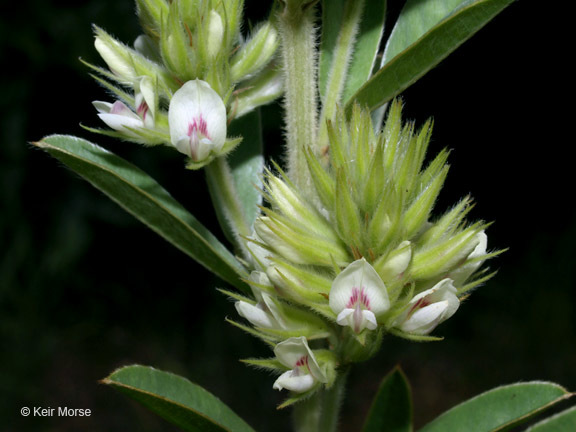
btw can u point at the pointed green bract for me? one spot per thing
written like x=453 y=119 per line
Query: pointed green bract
x=177 y=400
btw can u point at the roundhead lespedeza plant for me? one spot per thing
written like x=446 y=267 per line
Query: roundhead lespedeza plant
x=336 y=246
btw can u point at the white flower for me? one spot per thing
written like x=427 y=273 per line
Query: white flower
x=265 y=313
x=145 y=101
x=120 y=117
x=358 y=296
x=429 y=308
x=197 y=118
x=305 y=372
x=473 y=262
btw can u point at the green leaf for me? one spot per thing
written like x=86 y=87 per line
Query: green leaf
x=145 y=199
x=500 y=408
x=416 y=18
x=366 y=47
x=563 y=421
x=391 y=409
x=427 y=51
x=176 y=399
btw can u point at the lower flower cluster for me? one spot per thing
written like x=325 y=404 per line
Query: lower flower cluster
x=358 y=257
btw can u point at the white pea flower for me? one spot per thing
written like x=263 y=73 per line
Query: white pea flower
x=429 y=308
x=265 y=313
x=120 y=117
x=305 y=372
x=473 y=262
x=197 y=118
x=358 y=295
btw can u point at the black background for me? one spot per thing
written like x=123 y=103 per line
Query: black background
x=84 y=288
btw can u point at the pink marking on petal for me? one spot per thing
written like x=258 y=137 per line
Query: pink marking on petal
x=118 y=108
x=143 y=110
x=358 y=298
x=198 y=125
x=302 y=362
x=197 y=129
x=421 y=303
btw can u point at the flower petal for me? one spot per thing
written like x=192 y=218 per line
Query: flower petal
x=473 y=262
x=357 y=319
x=256 y=315
x=291 y=380
x=360 y=275
x=197 y=118
x=429 y=308
x=291 y=352
x=424 y=320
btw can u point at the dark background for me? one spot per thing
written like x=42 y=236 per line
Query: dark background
x=85 y=288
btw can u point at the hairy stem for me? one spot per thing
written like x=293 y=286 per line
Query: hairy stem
x=298 y=35
x=321 y=411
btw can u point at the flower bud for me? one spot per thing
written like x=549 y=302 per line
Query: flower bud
x=392 y=265
x=256 y=53
x=215 y=34
x=116 y=55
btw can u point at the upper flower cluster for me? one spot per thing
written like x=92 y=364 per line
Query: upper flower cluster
x=361 y=255
x=191 y=60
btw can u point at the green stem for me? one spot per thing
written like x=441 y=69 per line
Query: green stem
x=299 y=56
x=229 y=209
x=342 y=55
x=320 y=413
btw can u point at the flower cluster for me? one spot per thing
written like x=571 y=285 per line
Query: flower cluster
x=360 y=255
x=186 y=77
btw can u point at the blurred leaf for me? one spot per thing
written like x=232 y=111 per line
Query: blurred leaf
x=332 y=11
x=176 y=399
x=416 y=59
x=367 y=45
x=563 y=421
x=145 y=199
x=391 y=409
x=246 y=164
x=500 y=408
